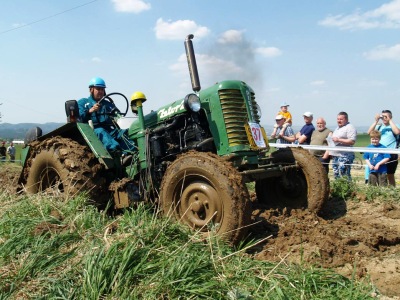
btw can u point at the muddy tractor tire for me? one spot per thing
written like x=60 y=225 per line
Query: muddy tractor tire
x=304 y=187
x=63 y=167
x=202 y=190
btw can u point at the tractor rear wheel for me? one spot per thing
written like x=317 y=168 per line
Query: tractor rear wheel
x=304 y=187
x=63 y=167
x=202 y=190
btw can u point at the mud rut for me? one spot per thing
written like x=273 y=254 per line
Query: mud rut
x=348 y=237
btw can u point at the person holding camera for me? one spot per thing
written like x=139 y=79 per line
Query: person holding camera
x=389 y=131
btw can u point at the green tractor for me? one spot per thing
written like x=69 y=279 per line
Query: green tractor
x=194 y=158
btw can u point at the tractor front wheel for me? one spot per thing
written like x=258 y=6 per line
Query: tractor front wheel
x=205 y=192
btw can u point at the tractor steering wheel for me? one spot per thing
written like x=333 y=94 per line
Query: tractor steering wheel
x=108 y=97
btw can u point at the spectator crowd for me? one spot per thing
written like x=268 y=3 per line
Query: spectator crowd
x=384 y=133
x=7 y=151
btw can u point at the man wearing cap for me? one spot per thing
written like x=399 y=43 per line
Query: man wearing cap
x=90 y=110
x=3 y=151
x=303 y=137
x=283 y=132
x=285 y=113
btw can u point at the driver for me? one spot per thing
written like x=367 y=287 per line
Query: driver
x=112 y=137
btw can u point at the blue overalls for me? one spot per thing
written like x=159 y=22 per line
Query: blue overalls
x=112 y=137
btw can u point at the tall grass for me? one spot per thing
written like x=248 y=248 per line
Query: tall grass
x=357 y=190
x=55 y=250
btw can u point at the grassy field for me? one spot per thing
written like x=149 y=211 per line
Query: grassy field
x=55 y=250
x=363 y=140
x=50 y=249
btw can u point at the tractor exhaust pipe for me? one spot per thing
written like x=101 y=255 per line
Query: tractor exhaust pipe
x=191 y=59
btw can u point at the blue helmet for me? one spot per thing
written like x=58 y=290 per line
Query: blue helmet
x=97 y=81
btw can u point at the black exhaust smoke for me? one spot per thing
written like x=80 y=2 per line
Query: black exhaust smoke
x=191 y=59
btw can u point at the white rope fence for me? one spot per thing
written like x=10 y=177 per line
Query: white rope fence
x=340 y=149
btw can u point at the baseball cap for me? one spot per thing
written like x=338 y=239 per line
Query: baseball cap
x=284 y=104
x=308 y=114
x=279 y=117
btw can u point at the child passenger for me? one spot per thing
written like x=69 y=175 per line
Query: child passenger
x=376 y=161
x=285 y=113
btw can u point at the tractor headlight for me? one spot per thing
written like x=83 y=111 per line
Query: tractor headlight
x=192 y=102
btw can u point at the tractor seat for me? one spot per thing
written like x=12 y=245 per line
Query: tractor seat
x=72 y=111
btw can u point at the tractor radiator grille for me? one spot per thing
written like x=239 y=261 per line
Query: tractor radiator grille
x=254 y=109
x=235 y=115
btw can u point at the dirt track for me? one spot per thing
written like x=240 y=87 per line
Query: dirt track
x=359 y=239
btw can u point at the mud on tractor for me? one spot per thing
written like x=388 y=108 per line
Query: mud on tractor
x=194 y=159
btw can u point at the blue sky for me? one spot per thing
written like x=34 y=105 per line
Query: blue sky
x=319 y=56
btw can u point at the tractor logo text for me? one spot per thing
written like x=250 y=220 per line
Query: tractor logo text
x=166 y=112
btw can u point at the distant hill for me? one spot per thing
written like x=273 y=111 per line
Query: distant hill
x=18 y=131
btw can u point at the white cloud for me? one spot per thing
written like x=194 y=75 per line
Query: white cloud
x=236 y=37
x=231 y=36
x=215 y=66
x=273 y=90
x=135 y=6
x=384 y=53
x=315 y=92
x=268 y=51
x=177 y=30
x=209 y=64
x=318 y=82
x=385 y=16
x=371 y=83
x=96 y=59
x=17 y=25
x=211 y=70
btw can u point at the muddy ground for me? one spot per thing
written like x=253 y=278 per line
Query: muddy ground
x=355 y=238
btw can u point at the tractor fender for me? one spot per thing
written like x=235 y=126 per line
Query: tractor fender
x=84 y=135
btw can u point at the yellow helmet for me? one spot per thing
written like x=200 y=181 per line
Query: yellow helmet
x=137 y=99
x=138 y=96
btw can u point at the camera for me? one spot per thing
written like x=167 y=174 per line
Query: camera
x=380 y=116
